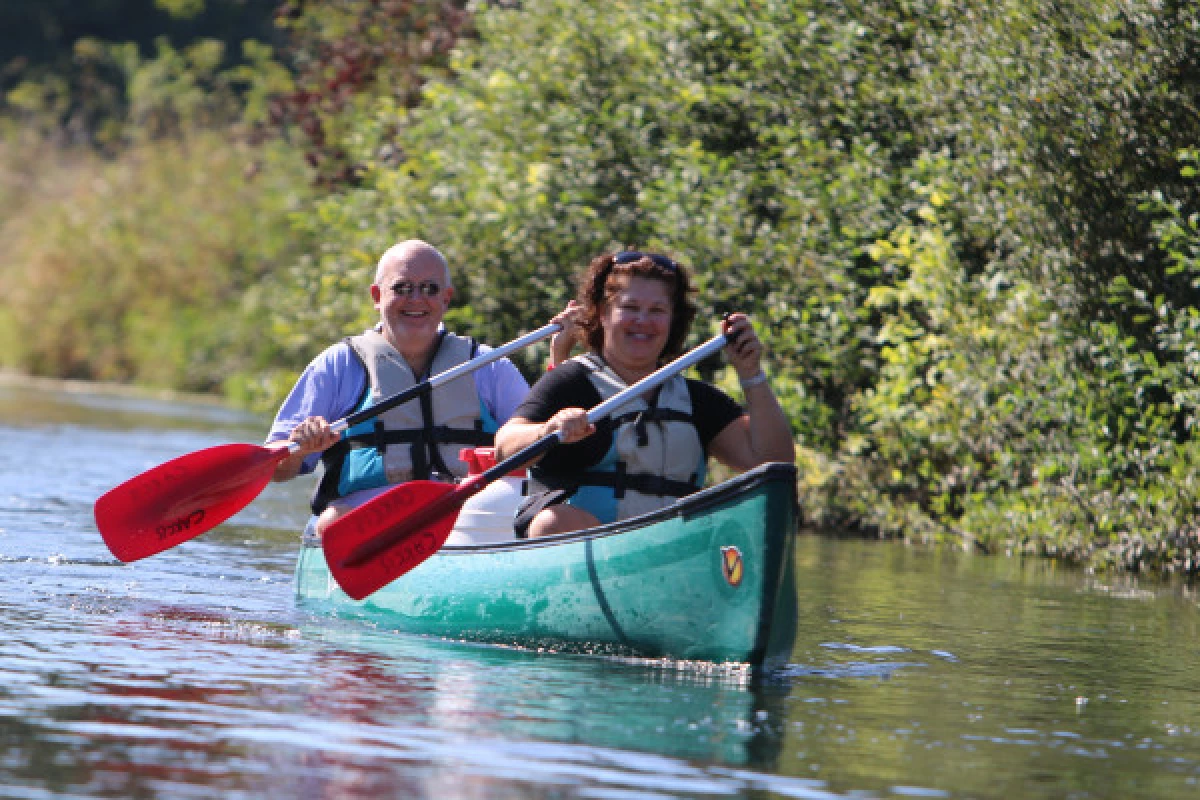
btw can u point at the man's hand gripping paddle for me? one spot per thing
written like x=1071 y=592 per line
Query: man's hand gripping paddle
x=372 y=545
x=185 y=497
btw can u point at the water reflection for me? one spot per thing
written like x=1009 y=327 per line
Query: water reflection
x=487 y=715
x=685 y=710
x=175 y=696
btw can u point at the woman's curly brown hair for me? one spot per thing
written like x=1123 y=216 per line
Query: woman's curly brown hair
x=605 y=278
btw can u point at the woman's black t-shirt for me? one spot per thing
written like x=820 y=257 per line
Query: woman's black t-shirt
x=568 y=386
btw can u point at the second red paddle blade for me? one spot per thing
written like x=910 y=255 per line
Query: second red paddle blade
x=372 y=545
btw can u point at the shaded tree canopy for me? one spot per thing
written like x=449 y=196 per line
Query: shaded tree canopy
x=41 y=34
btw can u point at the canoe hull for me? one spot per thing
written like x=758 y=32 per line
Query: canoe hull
x=709 y=579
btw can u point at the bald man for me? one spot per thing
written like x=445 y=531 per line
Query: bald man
x=418 y=440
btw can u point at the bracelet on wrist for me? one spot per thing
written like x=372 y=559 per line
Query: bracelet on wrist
x=759 y=377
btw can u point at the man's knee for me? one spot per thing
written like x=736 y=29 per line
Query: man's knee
x=560 y=519
x=343 y=504
x=327 y=518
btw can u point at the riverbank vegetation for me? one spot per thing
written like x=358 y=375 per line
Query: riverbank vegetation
x=968 y=235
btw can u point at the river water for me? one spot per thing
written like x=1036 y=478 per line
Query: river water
x=916 y=673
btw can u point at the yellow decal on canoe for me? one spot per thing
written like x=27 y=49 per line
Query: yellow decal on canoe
x=731 y=565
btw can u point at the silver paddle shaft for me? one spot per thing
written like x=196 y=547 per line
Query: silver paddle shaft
x=441 y=379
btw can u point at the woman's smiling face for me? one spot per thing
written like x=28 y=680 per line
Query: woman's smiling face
x=636 y=322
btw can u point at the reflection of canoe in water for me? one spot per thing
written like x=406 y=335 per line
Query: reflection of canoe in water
x=503 y=694
x=708 y=578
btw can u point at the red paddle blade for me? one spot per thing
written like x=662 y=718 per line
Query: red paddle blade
x=183 y=498
x=372 y=545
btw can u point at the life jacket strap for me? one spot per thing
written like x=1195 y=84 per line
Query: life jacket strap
x=620 y=481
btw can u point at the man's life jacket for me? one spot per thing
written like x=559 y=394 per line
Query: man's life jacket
x=416 y=440
x=656 y=455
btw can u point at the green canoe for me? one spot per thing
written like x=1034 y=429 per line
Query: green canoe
x=709 y=578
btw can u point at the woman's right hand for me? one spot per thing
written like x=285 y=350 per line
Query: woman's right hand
x=571 y=424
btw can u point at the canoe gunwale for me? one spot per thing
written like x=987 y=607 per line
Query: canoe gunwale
x=690 y=506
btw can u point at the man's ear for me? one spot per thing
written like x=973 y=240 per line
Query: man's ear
x=376 y=293
x=449 y=294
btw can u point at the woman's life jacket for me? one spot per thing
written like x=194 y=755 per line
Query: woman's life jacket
x=417 y=440
x=656 y=455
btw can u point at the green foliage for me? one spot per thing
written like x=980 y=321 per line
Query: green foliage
x=147 y=269
x=968 y=233
x=183 y=9
x=147 y=265
x=935 y=214
x=659 y=125
x=1071 y=433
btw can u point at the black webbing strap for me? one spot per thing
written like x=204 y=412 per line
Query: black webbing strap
x=620 y=481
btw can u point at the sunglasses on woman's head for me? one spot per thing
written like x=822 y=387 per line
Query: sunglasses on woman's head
x=409 y=289
x=629 y=256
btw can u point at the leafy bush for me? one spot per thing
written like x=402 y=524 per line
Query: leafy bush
x=933 y=212
x=145 y=269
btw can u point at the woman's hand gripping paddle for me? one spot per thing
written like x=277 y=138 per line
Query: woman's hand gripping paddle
x=372 y=545
x=185 y=497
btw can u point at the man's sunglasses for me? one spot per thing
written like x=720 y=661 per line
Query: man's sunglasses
x=409 y=289
x=629 y=256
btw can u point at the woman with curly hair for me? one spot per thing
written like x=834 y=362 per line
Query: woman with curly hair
x=634 y=312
